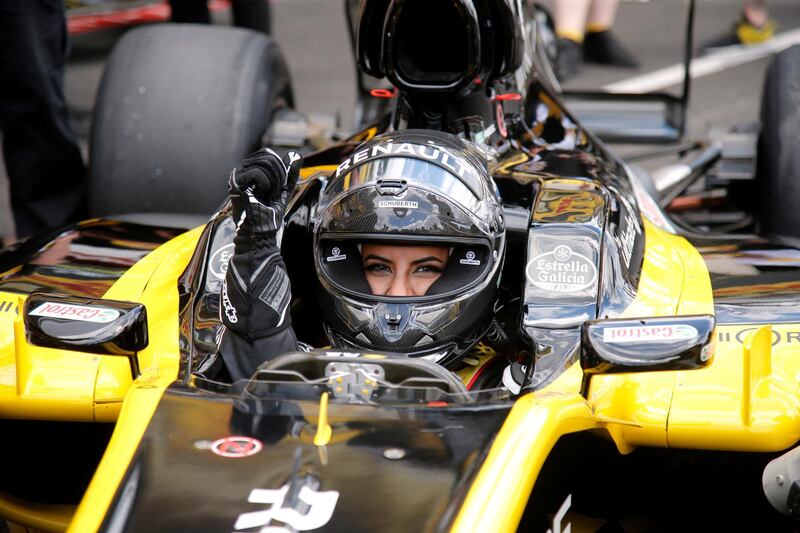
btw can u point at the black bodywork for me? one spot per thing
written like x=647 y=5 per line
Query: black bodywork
x=83 y=259
x=396 y=468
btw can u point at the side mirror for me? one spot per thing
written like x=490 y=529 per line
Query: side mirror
x=106 y=327
x=645 y=345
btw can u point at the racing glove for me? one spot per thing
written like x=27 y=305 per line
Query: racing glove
x=256 y=293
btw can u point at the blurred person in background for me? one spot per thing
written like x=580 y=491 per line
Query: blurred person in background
x=46 y=173
x=251 y=14
x=753 y=27
x=583 y=28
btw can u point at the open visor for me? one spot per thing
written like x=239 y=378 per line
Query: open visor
x=341 y=265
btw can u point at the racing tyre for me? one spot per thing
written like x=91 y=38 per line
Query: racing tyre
x=178 y=107
x=778 y=160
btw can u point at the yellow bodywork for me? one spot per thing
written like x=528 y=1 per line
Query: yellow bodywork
x=747 y=399
x=52 y=384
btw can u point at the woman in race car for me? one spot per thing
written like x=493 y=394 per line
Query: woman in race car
x=409 y=242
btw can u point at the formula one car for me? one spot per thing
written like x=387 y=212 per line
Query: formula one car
x=659 y=389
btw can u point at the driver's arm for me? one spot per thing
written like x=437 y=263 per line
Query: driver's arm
x=254 y=304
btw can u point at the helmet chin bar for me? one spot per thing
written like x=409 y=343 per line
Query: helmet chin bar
x=440 y=325
x=439 y=354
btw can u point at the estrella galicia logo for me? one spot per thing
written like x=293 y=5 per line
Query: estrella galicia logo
x=219 y=261
x=469 y=259
x=336 y=255
x=562 y=270
x=562 y=253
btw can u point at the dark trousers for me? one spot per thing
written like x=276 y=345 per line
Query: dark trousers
x=46 y=173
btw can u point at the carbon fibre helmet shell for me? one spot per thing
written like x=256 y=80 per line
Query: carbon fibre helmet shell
x=410 y=187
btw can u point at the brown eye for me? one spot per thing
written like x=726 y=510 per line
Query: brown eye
x=377 y=268
x=428 y=269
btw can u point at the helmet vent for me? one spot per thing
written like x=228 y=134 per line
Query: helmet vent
x=391 y=187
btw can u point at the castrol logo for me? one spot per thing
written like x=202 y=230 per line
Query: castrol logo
x=672 y=332
x=82 y=313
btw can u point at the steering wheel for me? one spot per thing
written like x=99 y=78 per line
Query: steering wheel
x=356 y=376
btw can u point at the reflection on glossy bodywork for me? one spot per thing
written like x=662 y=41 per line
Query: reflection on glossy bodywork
x=754 y=282
x=428 y=453
x=84 y=260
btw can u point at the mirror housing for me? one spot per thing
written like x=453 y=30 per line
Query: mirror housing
x=91 y=325
x=645 y=345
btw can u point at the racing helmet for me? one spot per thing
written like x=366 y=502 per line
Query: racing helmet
x=413 y=187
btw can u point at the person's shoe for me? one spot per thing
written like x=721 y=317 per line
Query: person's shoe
x=604 y=48
x=742 y=33
x=569 y=59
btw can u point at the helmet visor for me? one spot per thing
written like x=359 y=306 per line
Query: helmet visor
x=408 y=271
x=393 y=175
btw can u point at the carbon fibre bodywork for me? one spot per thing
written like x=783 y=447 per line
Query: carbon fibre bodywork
x=441 y=450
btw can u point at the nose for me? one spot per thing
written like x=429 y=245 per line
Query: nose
x=399 y=287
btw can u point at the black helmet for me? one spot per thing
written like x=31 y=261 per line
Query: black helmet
x=411 y=187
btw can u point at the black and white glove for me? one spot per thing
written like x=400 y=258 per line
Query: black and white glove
x=256 y=292
x=259 y=189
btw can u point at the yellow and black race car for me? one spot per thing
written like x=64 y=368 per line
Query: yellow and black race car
x=659 y=359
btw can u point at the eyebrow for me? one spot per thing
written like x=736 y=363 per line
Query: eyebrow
x=426 y=259
x=379 y=258
x=416 y=261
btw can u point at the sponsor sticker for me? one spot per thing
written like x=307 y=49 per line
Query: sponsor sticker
x=469 y=259
x=705 y=353
x=230 y=310
x=627 y=239
x=740 y=335
x=562 y=270
x=431 y=152
x=219 y=261
x=398 y=204
x=81 y=313
x=276 y=293
x=307 y=509
x=336 y=255
x=342 y=354
x=649 y=333
x=236 y=446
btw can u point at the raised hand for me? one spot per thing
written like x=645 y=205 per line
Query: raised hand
x=259 y=188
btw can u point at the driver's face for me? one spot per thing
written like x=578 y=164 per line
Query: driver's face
x=402 y=270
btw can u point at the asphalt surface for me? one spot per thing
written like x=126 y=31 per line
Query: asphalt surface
x=313 y=36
